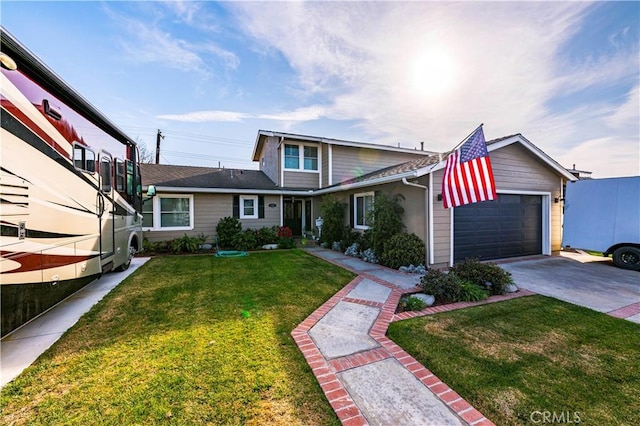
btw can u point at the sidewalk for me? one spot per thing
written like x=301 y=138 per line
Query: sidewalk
x=22 y=347
x=366 y=377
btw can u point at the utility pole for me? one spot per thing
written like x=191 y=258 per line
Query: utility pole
x=158 y=137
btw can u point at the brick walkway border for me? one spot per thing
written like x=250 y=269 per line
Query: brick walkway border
x=325 y=370
x=626 y=311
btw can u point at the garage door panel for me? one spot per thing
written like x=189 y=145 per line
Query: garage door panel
x=507 y=227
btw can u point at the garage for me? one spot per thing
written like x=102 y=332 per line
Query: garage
x=510 y=226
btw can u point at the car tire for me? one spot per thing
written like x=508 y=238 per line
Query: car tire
x=627 y=257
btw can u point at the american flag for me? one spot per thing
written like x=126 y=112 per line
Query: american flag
x=468 y=177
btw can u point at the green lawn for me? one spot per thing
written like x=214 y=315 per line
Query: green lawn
x=187 y=340
x=519 y=360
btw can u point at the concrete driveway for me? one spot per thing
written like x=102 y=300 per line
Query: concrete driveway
x=581 y=279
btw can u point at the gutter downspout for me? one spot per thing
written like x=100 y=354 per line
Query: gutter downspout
x=426 y=217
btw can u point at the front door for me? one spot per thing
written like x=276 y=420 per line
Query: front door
x=293 y=215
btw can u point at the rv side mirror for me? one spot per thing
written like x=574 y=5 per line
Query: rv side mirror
x=151 y=191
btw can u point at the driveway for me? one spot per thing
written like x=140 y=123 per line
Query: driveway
x=581 y=279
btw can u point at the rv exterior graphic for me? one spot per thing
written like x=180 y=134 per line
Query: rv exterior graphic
x=70 y=189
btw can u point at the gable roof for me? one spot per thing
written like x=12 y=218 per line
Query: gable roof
x=168 y=176
x=262 y=134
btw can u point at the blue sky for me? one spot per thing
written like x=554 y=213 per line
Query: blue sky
x=209 y=75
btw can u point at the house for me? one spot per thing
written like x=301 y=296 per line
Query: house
x=297 y=171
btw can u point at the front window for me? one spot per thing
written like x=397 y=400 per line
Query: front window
x=291 y=157
x=168 y=212
x=174 y=212
x=301 y=157
x=248 y=207
x=311 y=158
x=363 y=205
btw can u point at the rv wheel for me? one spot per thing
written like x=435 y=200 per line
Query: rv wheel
x=127 y=263
x=627 y=257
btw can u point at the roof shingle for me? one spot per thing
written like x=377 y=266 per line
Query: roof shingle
x=203 y=177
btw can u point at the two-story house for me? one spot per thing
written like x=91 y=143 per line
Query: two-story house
x=297 y=171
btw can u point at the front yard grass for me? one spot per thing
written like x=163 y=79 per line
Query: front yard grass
x=518 y=361
x=187 y=340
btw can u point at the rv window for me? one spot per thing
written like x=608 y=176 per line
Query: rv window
x=120 y=181
x=84 y=159
x=105 y=174
x=147 y=213
x=129 y=177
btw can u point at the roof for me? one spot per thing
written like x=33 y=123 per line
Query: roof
x=163 y=175
x=330 y=141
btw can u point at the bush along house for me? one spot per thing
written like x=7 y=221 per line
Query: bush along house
x=297 y=173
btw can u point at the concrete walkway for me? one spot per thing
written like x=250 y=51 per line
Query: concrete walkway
x=23 y=346
x=367 y=378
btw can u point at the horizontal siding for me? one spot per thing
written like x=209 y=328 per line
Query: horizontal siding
x=441 y=224
x=300 y=180
x=210 y=208
x=350 y=162
x=514 y=167
x=325 y=165
x=271 y=159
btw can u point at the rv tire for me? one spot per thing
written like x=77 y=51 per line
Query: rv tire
x=127 y=263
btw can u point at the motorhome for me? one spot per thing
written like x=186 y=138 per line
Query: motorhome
x=70 y=189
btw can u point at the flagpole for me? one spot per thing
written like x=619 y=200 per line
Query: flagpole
x=457 y=146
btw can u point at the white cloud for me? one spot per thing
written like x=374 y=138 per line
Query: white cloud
x=145 y=41
x=300 y=114
x=375 y=64
x=205 y=116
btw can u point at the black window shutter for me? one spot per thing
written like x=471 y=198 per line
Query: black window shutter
x=236 y=206
x=261 y=206
x=351 y=207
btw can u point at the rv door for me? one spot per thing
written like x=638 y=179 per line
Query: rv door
x=106 y=206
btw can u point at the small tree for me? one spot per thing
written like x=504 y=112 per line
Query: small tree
x=385 y=219
x=332 y=211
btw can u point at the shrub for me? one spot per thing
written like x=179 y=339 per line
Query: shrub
x=285 y=238
x=226 y=230
x=450 y=287
x=332 y=212
x=353 y=250
x=479 y=273
x=186 y=244
x=334 y=246
x=369 y=256
x=244 y=240
x=412 y=303
x=444 y=287
x=385 y=220
x=470 y=292
x=351 y=237
x=156 y=247
x=267 y=235
x=403 y=249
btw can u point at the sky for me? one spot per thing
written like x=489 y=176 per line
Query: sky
x=209 y=75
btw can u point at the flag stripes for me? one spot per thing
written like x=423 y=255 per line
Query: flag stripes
x=468 y=176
